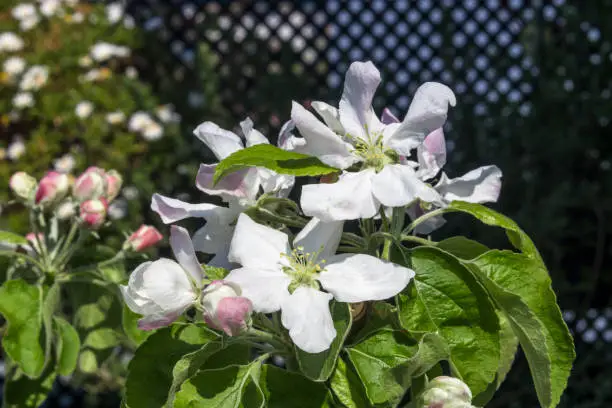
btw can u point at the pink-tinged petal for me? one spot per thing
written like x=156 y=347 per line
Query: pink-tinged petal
x=350 y=198
x=241 y=184
x=428 y=226
x=220 y=141
x=233 y=314
x=171 y=210
x=397 y=185
x=321 y=141
x=481 y=185
x=388 y=117
x=144 y=237
x=253 y=136
x=185 y=254
x=265 y=288
x=156 y=322
x=305 y=313
x=356 y=114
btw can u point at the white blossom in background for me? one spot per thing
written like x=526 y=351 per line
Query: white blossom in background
x=65 y=164
x=13 y=66
x=96 y=74
x=143 y=123
x=85 y=61
x=83 y=109
x=23 y=100
x=34 y=78
x=114 y=12
x=152 y=131
x=353 y=135
x=115 y=118
x=104 y=51
x=49 y=8
x=167 y=114
x=10 y=42
x=76 y=18
x=131 y=72
x=27 y=16
x=130 y=192
x=300 y=282
x=118 y=209
x=16 y=149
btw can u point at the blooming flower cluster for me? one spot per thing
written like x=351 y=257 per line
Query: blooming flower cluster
x=383 y=166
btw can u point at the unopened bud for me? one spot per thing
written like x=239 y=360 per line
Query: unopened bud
x=91 y=184
x=93 y=212
x=23 y=185
x=329 y=178
x=144 y=237
x=225 y=309
x=34 y=242
x=447 y=392
x=52 y=188
x=65 y=210
x=114 y=181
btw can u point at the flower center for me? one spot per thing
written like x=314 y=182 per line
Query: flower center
x=303 y=268
x=373 y=152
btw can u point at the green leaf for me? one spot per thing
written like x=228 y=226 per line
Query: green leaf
x=347 y=386
x=114 y=272
x=380 y=315
x=516 y=235
x=273 y=158
x=284 y=389
x=522 y=288
x=447 y=299
x=233 y=386
x=462 y=247
x=21 y=391
x=50 y=305
x=11 y=238
x=214 y=272
x=130 y=326
x=102 y=339
x=319 y=366
x=151 y=371
x=21 y=305
x=67 y=347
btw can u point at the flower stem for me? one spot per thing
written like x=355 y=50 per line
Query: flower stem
x=417 y=240
x=422 y=219
x=268 y=215
x=25 y=257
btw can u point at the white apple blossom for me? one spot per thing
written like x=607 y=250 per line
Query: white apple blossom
x=83 y=109
x=34 y=78
x=96 y=74
x=114 y=12
x=16 y=149
x=23 y=100
x=13 y=66
x=301 y=282
x=354 y=136
x=115 y=118
x=10 y=42
x=65 y=164
x=167 y=114
x=104 y=51
x=163 y=289
x=26 y=14
x=49 y=8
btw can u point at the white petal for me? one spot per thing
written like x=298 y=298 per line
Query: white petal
x=184 y=253
x=220 y=141
x=349 y=198
x=428 y=226
x=427 y=112
x=165 y=283
x=431 y=154
x=241 y=184
x=220 y=260
x=265 y=288
x=481 y=185
x=388 y=117
x=398 y=185
x=253 y=136
x=171 y=210
x=360 y=83
x=305 y=313
x=288 y=141
x=321 y=141
x=255 y=245
x=133 y=300
x=319 y=236
x=330 y=116
x=278 y=184
x=359 y=277
x=215 y=236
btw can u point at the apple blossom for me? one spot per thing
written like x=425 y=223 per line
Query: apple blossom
x=84 y=109
x=275 y=277
x=49 y=8
x=10 y=42
x=446 y=392
x=104 y=51
x=16 y=149
x=65 y=210
x=93 y=212
x=52 y=188
x=23 y=100
x=225 y=309
x=115 y=118
x=354 y=135
x=65 y=164
x=34 y=78
x=90 y=184
x=144 y=237
x=23 y=185
x=14 y=66
x=114 y=181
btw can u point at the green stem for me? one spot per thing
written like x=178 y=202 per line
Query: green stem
x=417 y=240
x=69 y=239
x=25 y=257
x=268 y=215
x=265 y=337
x=422 y=219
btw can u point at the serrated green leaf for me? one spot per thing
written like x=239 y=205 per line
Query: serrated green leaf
x=347 y=386
x=12 y=238
x=319 y=366
x=273 y=158
x=522 y=288
x=284 y=389
x=516 y=235
x=462 y=247
x=68 y=346
x=21 y=305
x=447 y=299
x=150 y=373
x=233 y=386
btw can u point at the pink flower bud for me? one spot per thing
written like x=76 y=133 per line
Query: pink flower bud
x=91 y=184
x=23 y=185
x=225 y=309
x=144 y=237
x=93 y=212
x=52 y=188
x=31 y=237
x=114 y=182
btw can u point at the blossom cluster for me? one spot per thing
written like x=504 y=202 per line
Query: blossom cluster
x=385 y=168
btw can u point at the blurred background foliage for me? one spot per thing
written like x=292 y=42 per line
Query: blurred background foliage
x=534 y=90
